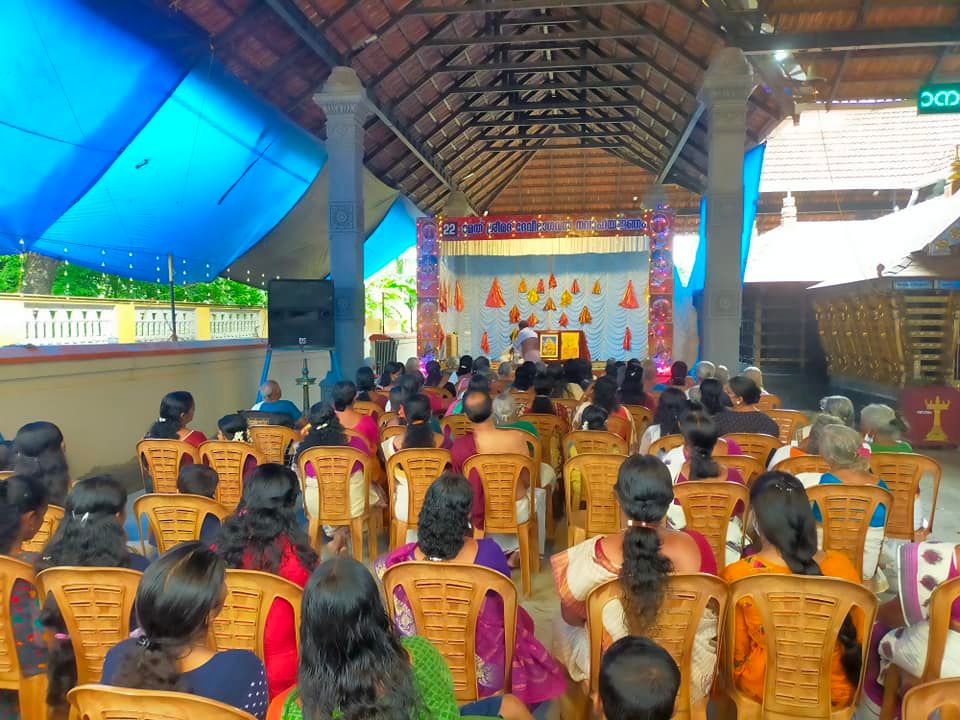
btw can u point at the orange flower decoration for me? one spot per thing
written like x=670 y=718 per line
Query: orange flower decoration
x=485 y=343
x=514 y=315
x=566 y=298
x=458 y=297
x=596 y=288
x=550 y=305
x=575 y=288
x=552 y=282
x=532 y=320
x=540 y=288
x=585 y=317
x=523 y=286
x=563 y=321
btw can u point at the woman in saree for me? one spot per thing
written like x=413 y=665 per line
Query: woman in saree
x=641 y=557
x=444 y=536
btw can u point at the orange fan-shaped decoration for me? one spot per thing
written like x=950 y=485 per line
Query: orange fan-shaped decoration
x=596 y=288
x=442 y=297
x=552 y=282
x=563 y=321
x=550 y=304
x=627 y=339
x=532 y=320
x=457 y=297
x=585 y=317
x=495 y=296
x=565 y=298
x=575 y=288
x=514 y=315
x=540 y=288
x=629 y=299
x=485 y=342
x=523 y=286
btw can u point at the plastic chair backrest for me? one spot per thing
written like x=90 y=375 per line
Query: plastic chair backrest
x=175 y=519
x=801 y=617
x=333 y=466
x=228 y=458
x=769 y=402
x=941 y=605
x=803 y=464
x=594 y=441
x=250 y=595
x=749 y=467
x=390 y=431
x=351 y=433
x=105 y=702
x=500 y=474
x=598 y=475
x=446 y=599
x=161 y=461
x=459 y=425
x=4 y=474
x=846 y=510
x=642 y=417
x=273 y=441
x=367 y=407
x=619 y=427
x=386 y=418
x=95 y=604
x=568 y=404
x=665 y=444
x=922 y=701
x=522 y=398
x=708 y=506
x=421 y=466
x=11 y=570
x=549 y=429
x=685 y=599
x=902 y=472
x=51 y=521
x=756 y=445
x=789 y=422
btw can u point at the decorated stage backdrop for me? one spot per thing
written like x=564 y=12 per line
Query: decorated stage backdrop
x=610 y=277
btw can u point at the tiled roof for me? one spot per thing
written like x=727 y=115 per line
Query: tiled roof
x=863 y=149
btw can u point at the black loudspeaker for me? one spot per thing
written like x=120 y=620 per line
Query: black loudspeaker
x=300 y=313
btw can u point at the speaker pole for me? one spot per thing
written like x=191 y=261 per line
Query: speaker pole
x=264 y=374
x=173 y=298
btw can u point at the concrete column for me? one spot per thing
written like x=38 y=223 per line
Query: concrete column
x=458 y=205
x=726 y=87
x=344 y=102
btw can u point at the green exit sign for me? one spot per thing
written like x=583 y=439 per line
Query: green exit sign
x=941 y=98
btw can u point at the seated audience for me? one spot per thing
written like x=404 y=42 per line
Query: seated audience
x=679 y=377
x=176 y=412
x=650 y=376
x=641 y=557
x=366 y=385
x=263 y=534
x=23 y=503
x=391 y=373
x=745 y=416
x=90 y=535
x=723 y=375
x=631 y=389
x=506 y=415
x=39 y=451
x=479 y=383
x=839 y=406
x=638 y=680
x=464 y=368
x=233 y=428
x=481 y=366
x=273 y=403
x=369 y=672
x=671 y=409
x=544 y=391
x=411 y=366
x=180 y=595
x=445 y=536
x=605 y=396
x=343 y=395
x=754 y=373
x=883 y=428
x=505 y=374
x=841 y=448
x=577 y=375
x=524 y=377
x=705 y=370
x=810 y=445
x=788 y=545
x=202 y=480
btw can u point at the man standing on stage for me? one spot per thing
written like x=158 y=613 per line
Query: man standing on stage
x=527 y=344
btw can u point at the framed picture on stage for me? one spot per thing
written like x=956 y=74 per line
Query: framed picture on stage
x=550 y=346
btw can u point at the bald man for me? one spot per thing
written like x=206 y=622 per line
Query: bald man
x=272 y=403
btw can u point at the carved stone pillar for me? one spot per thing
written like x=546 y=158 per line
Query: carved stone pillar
x=726 y=87
x=344 y=102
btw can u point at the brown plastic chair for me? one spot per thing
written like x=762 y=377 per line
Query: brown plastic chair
x=351 y=433
x=749 y=467
x=51 y=521
x=175 y=519
x=105 y=702
x=601 y=514
x=789 y=422
x=522 y=398
x=846 y=511
x=642 y=417
x=250 y=595
x=421 y=466
x=458 y=425
x=228 y=459
x=902 y=472
x=160 y=460
x=95 y=603
x=665 y=444
x=708 y=506
x=385 y=418
x=32 y=691
x=594 y=441
x=803 y=464
x=943 y=695
x=685 y=599
x=756 y=445
x=5 y=474
x=446 y=599
x=390 y=431
x=500 y=474
x=550 y=429
x=333 y=467
x=568 y=404
x=801 y=618
x=768 y=402
x=274 y=441
x=367 y=407
x=941 y=604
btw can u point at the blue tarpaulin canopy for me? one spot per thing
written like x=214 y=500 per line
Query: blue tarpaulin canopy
x=123 y=142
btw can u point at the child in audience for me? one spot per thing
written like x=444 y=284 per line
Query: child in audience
x=90 y=535
x=263 y=535
x=197 y=479
x=38 y=450
x=638 y=680
x=176 y=412
x=179 y=596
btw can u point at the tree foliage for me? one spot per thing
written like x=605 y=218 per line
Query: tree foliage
x=393 y=295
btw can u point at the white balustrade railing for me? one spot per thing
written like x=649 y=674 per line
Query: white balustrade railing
x=153 y=324
x=230 y=324
x=72 y=325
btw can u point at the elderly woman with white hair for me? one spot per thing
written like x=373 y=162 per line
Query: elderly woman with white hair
x=755 y=374
x=705 y=370
x=842 y=448
x=882 y=429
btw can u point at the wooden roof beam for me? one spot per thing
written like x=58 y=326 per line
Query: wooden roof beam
x=525 y=87
x=466 y=8
x=539 y=38
x=840 y=40
x=557 y=65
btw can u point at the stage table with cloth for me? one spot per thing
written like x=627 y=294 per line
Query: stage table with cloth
x=590 y=287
